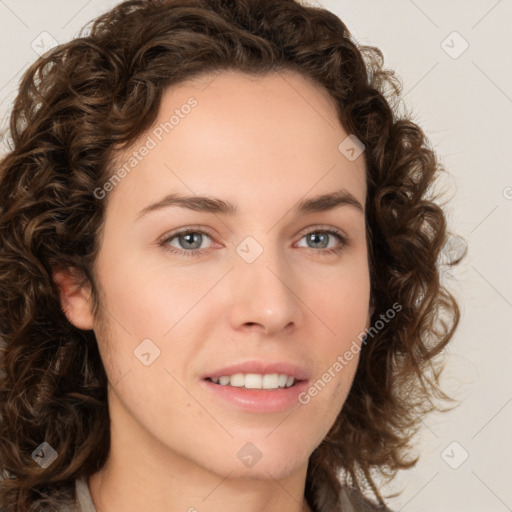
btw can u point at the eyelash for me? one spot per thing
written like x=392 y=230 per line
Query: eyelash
x=199 y=252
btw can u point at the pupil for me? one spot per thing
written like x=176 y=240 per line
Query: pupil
x=189 y=236
x=314 y=237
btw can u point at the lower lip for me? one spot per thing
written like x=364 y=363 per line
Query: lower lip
x=258 y=400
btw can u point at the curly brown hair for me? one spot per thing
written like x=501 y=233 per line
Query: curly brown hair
x=81 y=102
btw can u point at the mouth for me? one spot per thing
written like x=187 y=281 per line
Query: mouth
x=257 y=393
x=257 y=386
x=255 y=381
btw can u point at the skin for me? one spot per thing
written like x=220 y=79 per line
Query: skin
x=262 y=143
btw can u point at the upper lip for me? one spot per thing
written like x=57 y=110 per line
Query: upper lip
x=261 y=367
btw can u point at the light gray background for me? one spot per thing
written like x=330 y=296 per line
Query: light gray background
x=464 y=103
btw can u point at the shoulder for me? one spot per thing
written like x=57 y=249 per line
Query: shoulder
x=81 y=501
x=349 y=499
x=77 y=499
x=83 y=496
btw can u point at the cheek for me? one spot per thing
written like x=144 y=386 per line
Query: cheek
x=148 y=299
x=322 y=402
x=341 y=301
x=342 y=305
x=148 y=313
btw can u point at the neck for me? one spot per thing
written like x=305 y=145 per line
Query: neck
x=134 y=491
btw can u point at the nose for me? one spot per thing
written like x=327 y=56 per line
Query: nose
x=265 y=295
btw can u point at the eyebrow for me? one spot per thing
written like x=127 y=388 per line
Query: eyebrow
x=321 y=203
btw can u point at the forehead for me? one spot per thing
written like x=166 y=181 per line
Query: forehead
x=245 y=138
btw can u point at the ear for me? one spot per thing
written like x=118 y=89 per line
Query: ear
x=75 y=300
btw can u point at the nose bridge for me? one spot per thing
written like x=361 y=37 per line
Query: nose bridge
x=263 y=287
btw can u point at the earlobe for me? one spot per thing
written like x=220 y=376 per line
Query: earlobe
x=75 y=300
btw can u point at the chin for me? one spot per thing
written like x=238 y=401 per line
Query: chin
x=274 y=470
x=247 y=461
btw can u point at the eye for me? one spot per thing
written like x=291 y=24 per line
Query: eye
x=320 y=239
x=187 y=242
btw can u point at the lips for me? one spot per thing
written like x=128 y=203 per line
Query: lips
x=257 y=400
x=261 y=367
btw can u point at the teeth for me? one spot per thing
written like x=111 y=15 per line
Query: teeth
x=237 y=380
x=255 y=380
x=270 y=381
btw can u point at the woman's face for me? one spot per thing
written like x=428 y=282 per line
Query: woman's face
x=269 y=290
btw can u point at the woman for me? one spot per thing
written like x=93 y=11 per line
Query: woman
x=219 y=267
